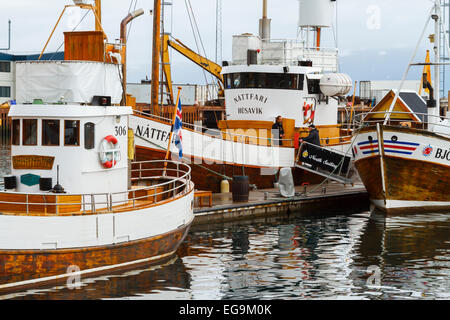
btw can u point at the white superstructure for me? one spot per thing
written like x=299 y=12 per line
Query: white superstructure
x=297 y=79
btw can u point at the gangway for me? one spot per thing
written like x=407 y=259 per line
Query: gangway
x=324 y=162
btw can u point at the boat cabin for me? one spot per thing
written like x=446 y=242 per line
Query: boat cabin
x=69 y=134
x=81 y=148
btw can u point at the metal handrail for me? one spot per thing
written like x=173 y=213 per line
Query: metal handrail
x=219 y=133
x=340 y=138
x=180 y=175
x=359 y=121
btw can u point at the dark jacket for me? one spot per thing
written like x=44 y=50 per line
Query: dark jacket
x=313 y=137
x=278 y=126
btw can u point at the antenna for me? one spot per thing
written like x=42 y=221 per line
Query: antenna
x=219 y=32
x=9 y=36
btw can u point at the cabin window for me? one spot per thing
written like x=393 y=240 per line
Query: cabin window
x=15 y=132
x=71 y=132
x=50 y=132
x=250 y=80
x=314 y=86
x=282 y=81
x=29 y=135
x=237 y=83
x=228 y=78
x=301 y=81
x=89 y=135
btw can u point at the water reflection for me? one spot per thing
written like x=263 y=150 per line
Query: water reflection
x=412 y=252
x=302 y=257
x=320 y=255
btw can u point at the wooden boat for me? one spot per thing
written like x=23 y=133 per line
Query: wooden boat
x=404 y=169
x=74 y=204
x=294 y=79
x=403 y=158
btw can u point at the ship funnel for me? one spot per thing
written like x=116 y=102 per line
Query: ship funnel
x=264 y=24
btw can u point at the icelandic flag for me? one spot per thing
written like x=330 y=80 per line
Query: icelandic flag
x=178 y=125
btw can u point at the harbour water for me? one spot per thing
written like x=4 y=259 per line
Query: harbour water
x=319 y=256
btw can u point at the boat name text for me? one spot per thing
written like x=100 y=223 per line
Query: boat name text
x=250 y=111
x=442 y=154
x=152 y=133
x=250 y=96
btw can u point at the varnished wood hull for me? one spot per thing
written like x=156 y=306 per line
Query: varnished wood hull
x=31 y=268
x=208 y=176
x=409 y=182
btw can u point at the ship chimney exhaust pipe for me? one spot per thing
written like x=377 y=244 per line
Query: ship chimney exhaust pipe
x=123 y=40
x=264 y=24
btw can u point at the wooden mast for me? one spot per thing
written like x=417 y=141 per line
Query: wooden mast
x=98 y=12
x=156 y=55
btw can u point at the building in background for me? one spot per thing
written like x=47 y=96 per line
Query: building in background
x=370 y=90
x=191 y=94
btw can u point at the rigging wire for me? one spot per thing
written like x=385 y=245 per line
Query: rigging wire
x=131 y=23
x=196 y=33
x=57 y=50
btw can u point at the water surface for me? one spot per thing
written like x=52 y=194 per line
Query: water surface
x=318 y=256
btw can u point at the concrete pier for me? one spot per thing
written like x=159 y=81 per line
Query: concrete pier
x=269 y=202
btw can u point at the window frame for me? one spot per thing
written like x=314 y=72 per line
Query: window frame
x=35 y=131
x=78 y=135
x=8 y=90
x=265 y=80
x=18 y=133
x=86 y=140
x=313 y=86
x=59 y=133
x=4 y=63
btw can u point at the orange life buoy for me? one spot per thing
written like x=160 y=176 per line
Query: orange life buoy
x=306 y=109
x=109 y=153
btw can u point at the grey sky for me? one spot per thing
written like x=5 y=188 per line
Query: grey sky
x=375 y=38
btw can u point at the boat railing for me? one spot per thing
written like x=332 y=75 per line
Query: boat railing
x=214 y=133
x=156 y=181
x=293 y=49
x=335 y=141
x=440 y=124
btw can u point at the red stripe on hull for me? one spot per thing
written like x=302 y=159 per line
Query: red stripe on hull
x=399 y=147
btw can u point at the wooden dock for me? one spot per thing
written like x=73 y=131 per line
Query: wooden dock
x=331 y=197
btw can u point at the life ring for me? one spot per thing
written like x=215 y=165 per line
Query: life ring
x=306 y=109
x=109 y=153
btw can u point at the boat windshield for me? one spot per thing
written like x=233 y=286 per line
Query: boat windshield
x=251 y=80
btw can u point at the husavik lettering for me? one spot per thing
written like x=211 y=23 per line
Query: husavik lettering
x=250 y=111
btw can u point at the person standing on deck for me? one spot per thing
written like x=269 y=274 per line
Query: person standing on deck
x=313 y=137
x=278 y=125
x=312 y=140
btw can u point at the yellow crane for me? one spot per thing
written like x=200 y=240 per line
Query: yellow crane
x=208 y=65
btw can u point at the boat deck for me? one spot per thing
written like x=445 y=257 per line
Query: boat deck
x=269 y=202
